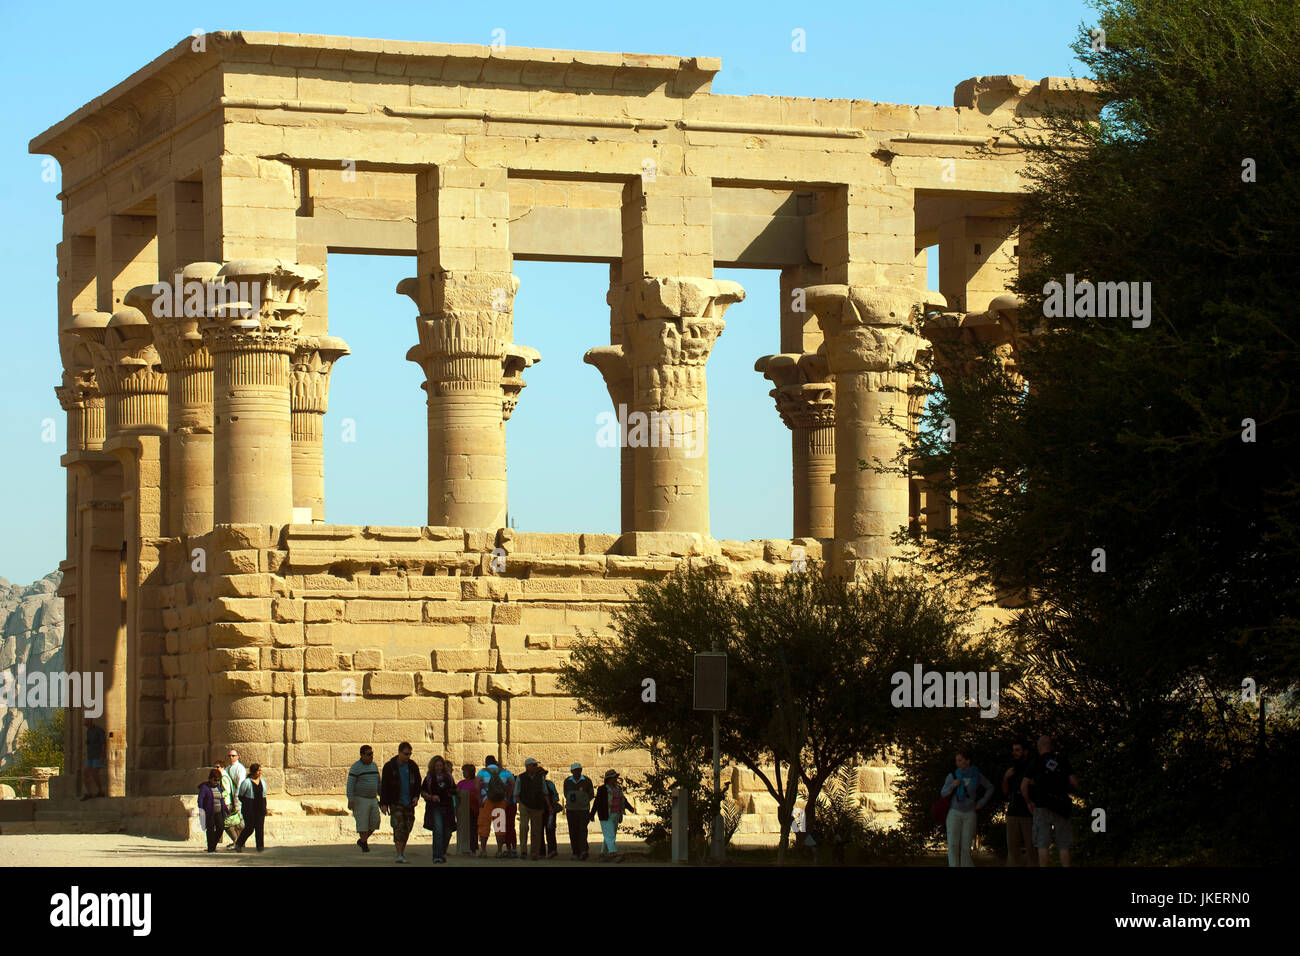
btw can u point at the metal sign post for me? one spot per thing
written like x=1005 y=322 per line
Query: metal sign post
x=711 y=694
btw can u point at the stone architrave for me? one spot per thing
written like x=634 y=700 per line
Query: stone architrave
x=870 y=350
x=309 y=400
x=805 y=399
x=252 y=341
x=469 y=359
x=188 y=366
x=670 y=332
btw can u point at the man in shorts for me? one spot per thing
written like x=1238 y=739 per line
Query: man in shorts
x=363 y=796
x=399 y=794
x=1046 y=788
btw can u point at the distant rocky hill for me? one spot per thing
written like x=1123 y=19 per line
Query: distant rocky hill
x=31 y=633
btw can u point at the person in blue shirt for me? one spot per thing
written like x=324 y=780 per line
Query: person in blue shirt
x=496 y=790
x=964 y=785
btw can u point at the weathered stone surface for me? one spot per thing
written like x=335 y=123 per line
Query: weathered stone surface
x=251 y=616
x=380 y=684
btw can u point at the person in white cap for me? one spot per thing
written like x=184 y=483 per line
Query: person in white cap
x=578 y=795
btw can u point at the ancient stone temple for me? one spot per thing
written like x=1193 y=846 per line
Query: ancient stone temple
x=201 y=198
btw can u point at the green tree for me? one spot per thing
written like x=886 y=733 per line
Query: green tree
x=1166 y=450
x=37 y=746
x=810 y=662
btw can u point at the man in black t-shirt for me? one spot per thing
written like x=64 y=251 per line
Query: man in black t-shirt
x=1046 y=789
x=1020 y=841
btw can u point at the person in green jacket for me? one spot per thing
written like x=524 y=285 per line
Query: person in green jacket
x=234 y=822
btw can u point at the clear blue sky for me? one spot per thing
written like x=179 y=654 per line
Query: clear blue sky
x=560 y=480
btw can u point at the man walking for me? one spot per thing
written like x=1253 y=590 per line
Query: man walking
x=552 y=812
x=238 y=772
x=578 y=795
x=399 y=792
x=530 y=793
x=1020 y=822
x=1046 y=789
x=96 y=745
x=363 y=796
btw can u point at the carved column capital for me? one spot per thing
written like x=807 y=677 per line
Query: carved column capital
x=261 y=307
x=127 y=367
x=175 y=312
x=465 y=325
x=865 y=328
x=804 y=393
x=958 y=336
x=517 y=358
x=80 y=397
x=309 y=380
x=673 y=325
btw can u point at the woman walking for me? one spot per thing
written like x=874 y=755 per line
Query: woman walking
x=252 y=797
x=467 y=811
x=610 y=805
x=212 y=806
x=439 y=792
x=964 y=785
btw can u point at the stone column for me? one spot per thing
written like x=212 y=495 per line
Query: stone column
x=80 y=398
x=805 y=399
x=610 y=361
x=464 y=291
x=308 y=402
x=175 y=313
x=251 y=341
x=129 y=370
x=463 y=349
x=869 y=352
x=674 y=324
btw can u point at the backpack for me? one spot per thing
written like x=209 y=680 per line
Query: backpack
x=496 y=787
x=532 y=791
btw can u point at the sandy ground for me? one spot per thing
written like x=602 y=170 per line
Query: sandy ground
x=119 y=849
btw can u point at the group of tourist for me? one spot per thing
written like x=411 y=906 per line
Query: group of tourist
x=1038 y=788
x=525 y=807
x=518 y=808
x=233 y=801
